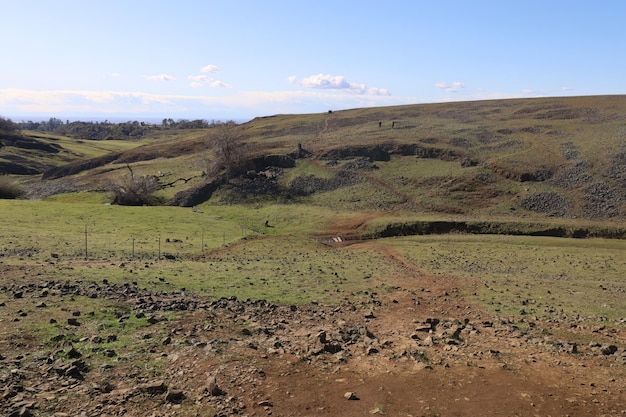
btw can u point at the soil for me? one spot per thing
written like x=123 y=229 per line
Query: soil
x=420 y=349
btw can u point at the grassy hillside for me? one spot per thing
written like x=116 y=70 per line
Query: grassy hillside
x=521 y=159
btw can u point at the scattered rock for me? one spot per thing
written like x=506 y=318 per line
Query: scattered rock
x=351 y=396
x=175 y=396
x=153 y=387
x=213 y=389
x=109 y=353
x=74 y=372
x=608 y=350
x=72 y=353
x=72 y=321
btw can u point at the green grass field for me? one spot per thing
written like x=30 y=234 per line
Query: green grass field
x=535 y=276
x=225 y=251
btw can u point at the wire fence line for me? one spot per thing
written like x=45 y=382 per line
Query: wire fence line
x=90 y=244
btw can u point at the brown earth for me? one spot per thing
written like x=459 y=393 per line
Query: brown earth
x=420 y=349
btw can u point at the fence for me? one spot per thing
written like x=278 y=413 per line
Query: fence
x=99 y=244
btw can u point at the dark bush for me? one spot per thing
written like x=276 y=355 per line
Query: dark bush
x=9 y=189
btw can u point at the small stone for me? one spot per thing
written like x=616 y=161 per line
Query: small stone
x=73 y=353
x=74 y=372
x=57 y=338
x=428 y=341
x=609 y=350
x=213 y=389
x=175 y=396
x=22 y=412
x=154 y=387
x=351 y=396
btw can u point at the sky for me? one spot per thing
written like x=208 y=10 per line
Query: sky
x=236 y=59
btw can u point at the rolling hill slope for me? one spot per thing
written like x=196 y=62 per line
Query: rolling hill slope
x=521 y=158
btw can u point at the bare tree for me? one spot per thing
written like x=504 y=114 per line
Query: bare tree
x=226 y=141
x=136 y=190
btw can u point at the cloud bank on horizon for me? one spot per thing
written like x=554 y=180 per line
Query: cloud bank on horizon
x=229 y=60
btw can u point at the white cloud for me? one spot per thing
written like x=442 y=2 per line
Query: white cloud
x=378 y=91
x=233 y=104
x=160 y=77
x=450 y=88
x=17 y=103
x=200 y=80
x=336 y=82
x=210 y=68
x=220 y=84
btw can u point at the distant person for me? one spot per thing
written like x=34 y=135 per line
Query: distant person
x=380 y=124
x=393 y=124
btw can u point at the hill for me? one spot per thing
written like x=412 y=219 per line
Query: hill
x=544 y=158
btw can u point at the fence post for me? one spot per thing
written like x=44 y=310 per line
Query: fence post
x=159 y=256
x=86 y=247
x=133 y=249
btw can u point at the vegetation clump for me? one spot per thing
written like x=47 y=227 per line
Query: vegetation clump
x=9 y=189
x=7 y=128
x=136 y=190
x=107 y=130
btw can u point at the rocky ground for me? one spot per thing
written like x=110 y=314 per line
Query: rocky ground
x=420 y=349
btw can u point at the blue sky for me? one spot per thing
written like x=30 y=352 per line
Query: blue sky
x=136 y=59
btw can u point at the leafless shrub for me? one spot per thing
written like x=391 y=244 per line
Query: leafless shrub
x=229 y=152
x=136 y=190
